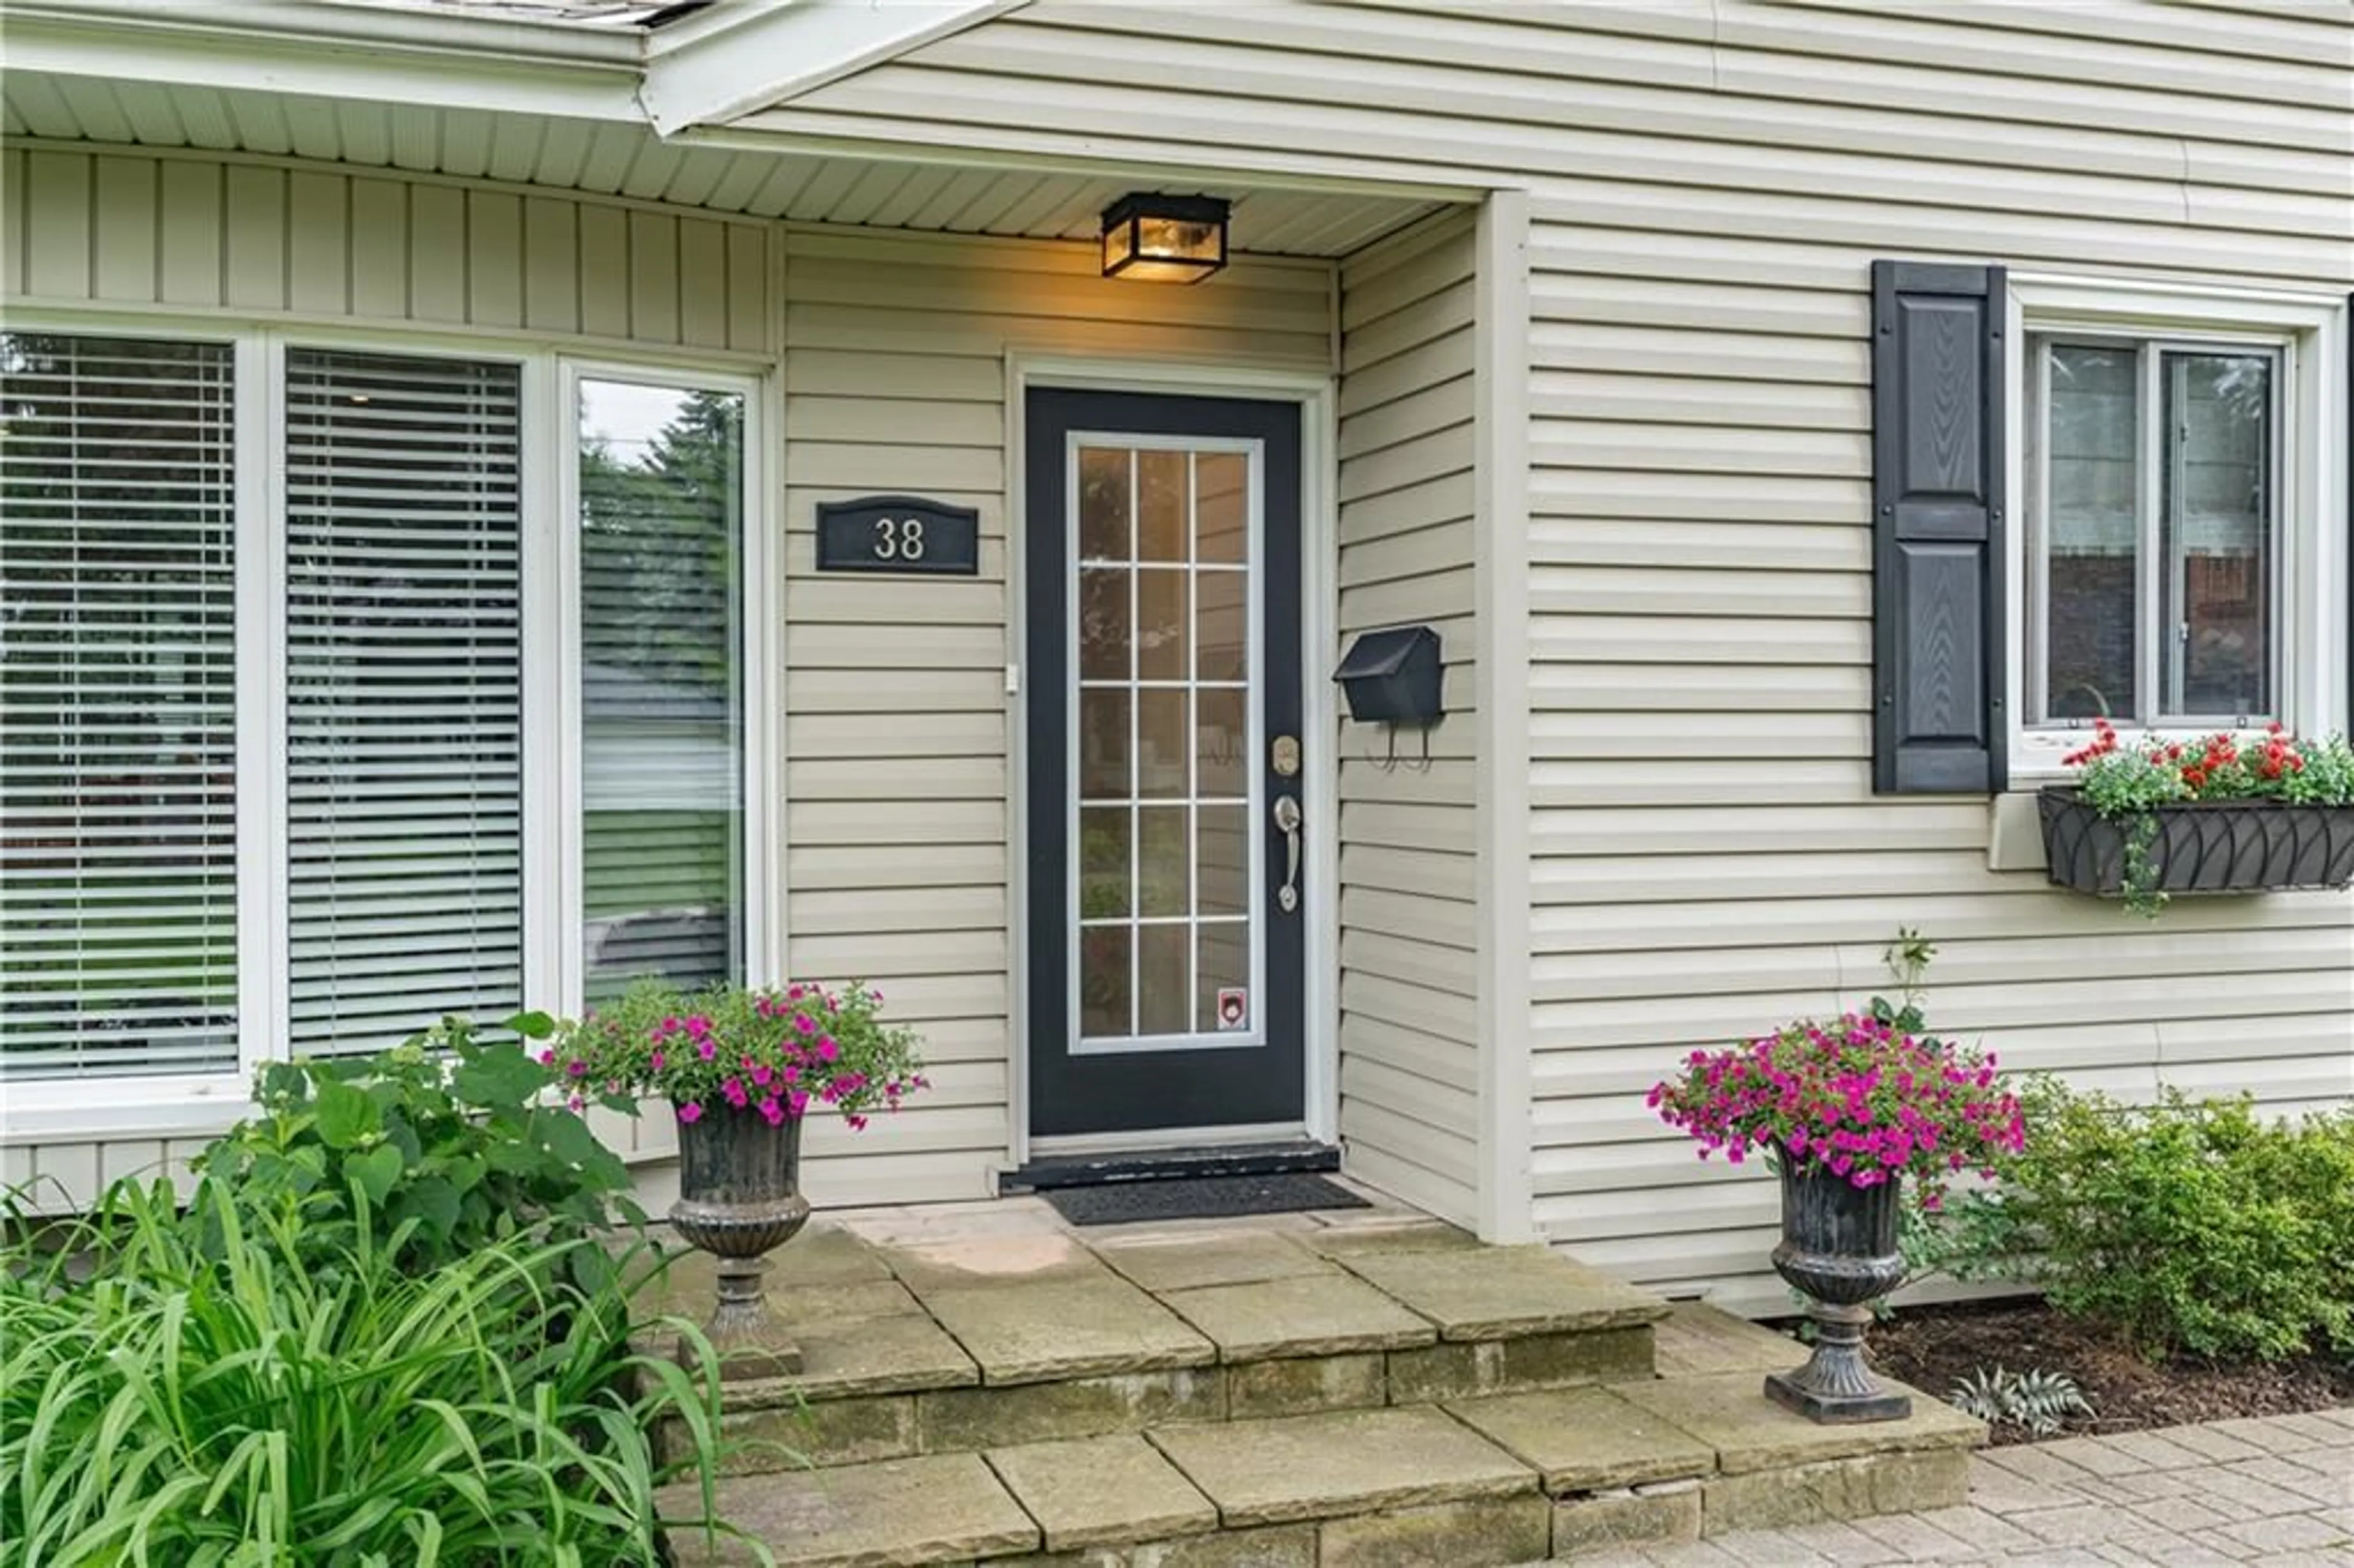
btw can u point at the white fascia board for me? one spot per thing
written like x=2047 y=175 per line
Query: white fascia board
x=377 y=54
x=731 y=60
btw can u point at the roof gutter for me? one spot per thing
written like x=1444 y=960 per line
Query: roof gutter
x=374 y=53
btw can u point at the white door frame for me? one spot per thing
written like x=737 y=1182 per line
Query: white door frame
x=1319 y=631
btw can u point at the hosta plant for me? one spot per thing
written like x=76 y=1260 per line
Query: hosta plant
x=2040 y=1401
x=778 y=1051
x=2128 y=783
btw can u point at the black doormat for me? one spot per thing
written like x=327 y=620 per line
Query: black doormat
x=1200 y=1198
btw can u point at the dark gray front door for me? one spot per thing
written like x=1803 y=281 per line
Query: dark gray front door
x=1167 y=894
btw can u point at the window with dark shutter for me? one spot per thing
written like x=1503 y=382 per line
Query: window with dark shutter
x=1938 y=411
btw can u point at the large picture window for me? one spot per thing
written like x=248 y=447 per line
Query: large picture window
x=320 y=719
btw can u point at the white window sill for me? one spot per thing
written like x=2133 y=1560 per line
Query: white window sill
x=118 y=1110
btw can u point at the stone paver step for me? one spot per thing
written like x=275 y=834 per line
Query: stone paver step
x=1477 y=1483
x=921 y=1336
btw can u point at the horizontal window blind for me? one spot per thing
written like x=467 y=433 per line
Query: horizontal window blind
x=404 y=700
x=118 y=735
x=661 y=698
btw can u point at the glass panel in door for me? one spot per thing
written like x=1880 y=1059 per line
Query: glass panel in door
x=1166 y=949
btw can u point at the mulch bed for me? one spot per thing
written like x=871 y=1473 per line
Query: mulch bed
x=1933 y=1348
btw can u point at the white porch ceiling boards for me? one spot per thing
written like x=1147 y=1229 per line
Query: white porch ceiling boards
x=616 y=157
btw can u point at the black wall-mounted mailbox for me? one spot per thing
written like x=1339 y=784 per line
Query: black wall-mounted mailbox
x=1392 y=676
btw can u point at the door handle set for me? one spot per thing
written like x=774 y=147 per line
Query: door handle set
x=1287 y=822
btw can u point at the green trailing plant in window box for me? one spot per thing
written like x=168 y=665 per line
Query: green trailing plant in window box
x=2217 y=815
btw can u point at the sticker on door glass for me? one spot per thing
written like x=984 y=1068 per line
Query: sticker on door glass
x=1234 y=1010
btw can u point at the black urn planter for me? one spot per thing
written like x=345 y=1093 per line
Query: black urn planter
x=2202 y=846
x=739 y=1199
x=1840 y=1247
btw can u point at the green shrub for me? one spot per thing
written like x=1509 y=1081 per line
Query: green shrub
x=2189 y=1226
x=449 y=1139
x=196 y=1390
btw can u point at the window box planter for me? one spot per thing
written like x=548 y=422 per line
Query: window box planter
x=2201 y=846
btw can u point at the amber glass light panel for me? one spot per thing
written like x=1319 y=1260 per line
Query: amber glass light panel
x=1167 y=239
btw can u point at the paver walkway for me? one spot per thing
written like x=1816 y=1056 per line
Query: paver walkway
x=2277 y=1490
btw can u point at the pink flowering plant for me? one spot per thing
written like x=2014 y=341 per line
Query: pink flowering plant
x=775 y=1052
x=1869 y=1096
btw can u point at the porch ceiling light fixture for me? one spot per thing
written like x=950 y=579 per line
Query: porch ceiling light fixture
x=1165 y=239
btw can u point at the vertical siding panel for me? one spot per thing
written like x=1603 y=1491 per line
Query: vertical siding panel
x=12 y=208
x=126 y=242
x=257 y=238
x=57 y=263
x=15 y=1158
x=437 y=254
x=654 y=277
x=551 y=265
x=138 y=1159
x=191 y=210
x=703 y=283
x=379 y=248
x=748 y=287
x=65 y=1175
x=494 y=258
x=604 y=270
x=319 y=232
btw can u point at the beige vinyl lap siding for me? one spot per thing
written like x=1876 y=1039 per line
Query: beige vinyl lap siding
x=1408 y=1026
x=1709 y=184
x=899 y=734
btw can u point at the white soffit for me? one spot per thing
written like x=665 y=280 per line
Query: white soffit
x=464 y=91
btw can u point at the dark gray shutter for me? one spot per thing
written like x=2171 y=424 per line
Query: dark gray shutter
x=1937 y=390
x=2347 y=462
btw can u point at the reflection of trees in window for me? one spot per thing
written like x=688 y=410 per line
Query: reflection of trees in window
x=658 y=546
x=661 y=615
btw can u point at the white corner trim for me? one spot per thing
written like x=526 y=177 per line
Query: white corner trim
x=1500 y=488
x=748 y=56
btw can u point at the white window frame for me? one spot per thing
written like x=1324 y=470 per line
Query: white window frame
x=196 y=1106
x=2309 y=332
